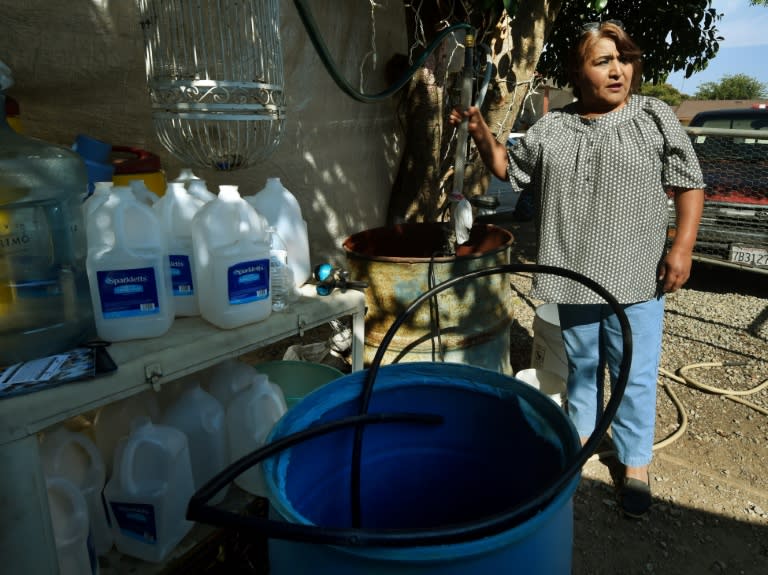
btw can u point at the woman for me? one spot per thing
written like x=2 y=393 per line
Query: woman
x=598 y=170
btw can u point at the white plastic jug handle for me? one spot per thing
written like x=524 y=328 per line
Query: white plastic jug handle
x=211 y=420
x=95 y=459
x=129 y=455
x=274 y=398
x=126 y=465
x=129 y=202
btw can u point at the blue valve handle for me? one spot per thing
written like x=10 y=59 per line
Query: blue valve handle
x=322 y=272
x=330 y=278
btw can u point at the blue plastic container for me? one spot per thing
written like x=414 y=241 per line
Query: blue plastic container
x=500 y=443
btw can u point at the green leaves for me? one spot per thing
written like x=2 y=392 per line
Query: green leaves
x=510 y=6
x=673 y=34
x=733 y=87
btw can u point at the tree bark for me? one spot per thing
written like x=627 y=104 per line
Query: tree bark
x=419 y=190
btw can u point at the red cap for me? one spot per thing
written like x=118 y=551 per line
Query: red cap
x=128 y=160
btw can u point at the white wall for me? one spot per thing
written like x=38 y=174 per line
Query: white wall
x=79 y=68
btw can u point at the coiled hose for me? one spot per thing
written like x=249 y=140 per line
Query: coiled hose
x=683 y=377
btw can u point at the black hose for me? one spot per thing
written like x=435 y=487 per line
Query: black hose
x=322 y=50
x=198 y=510
x=551 y=490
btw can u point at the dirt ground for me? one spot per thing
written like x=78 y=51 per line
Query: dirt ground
x=710 y=479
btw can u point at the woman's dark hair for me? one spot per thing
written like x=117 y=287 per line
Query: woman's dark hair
x=626 y=47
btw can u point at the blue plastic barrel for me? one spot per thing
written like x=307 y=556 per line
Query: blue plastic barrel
x=500 y=443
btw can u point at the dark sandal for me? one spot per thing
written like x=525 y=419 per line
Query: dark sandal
x=635 y=497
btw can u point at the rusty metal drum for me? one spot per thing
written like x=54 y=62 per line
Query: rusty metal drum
x=469 y=323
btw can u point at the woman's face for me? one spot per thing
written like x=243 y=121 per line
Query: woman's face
x=605 y=78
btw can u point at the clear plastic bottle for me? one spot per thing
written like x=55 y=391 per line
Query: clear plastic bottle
x=282 y=210
x=45 y=301
x=280 y=276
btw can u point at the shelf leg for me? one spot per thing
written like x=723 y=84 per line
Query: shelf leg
x=358 y=339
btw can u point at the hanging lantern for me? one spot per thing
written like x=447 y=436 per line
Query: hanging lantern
x=215 y=77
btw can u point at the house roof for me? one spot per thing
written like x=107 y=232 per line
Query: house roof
x=689 y=108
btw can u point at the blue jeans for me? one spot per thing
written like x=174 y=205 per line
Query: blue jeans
x=592 y=338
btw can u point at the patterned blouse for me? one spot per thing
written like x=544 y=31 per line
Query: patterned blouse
x=599 y=193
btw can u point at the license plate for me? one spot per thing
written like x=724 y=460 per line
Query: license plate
x=750 y=256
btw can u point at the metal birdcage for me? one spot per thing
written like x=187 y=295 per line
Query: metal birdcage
x=215 y=77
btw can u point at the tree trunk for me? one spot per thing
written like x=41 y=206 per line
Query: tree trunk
x=425 y=171
x=413 y=196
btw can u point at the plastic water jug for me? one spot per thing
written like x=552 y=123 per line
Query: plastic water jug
x=231 y=250
x=201 y=417
x=45 y=304
x=194 y=185
x=198 y=189
x=113 y=422
x=228 y=378
x=100 y=195
x=149 y=490
x=128 y=269
x=175 y=210
x=75 y=457
x=251 y=414
x=186 y=175
x=283 y=212
x=69 y=517
x=143 y=193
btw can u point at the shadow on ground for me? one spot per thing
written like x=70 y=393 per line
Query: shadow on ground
x=673 y=539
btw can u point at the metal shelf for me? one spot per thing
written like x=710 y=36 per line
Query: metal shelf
x=192 y=344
